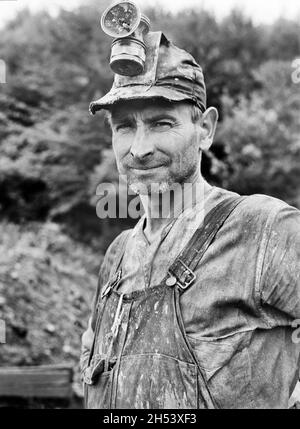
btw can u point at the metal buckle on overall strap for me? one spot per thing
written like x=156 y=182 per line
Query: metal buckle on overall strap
x=187 y=278
x=112 y=283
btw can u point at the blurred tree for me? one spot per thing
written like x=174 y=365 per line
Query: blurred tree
x=282 y=40
x=262 y=136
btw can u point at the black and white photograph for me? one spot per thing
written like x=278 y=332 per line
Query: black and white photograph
x=149 y=207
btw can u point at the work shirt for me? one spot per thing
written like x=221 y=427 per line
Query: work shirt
x=240 y=313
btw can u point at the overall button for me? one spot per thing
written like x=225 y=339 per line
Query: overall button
x=171 y=281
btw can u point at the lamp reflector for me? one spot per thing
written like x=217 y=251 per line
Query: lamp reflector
x=121 y=19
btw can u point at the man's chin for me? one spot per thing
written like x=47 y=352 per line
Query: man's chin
x=143 y=188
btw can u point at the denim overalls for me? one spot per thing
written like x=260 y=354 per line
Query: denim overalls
x=141 y=357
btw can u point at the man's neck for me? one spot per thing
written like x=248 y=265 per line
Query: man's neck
x=162 y=209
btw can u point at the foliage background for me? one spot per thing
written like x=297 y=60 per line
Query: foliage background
x=53 y=154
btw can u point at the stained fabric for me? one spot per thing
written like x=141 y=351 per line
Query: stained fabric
x=155 y=369
x=140 y=356
x=239 y=315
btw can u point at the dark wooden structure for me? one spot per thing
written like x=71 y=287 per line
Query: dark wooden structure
x=36 y=384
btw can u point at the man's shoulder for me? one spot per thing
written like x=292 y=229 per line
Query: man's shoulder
x=265 y=208
x=260 y=213
x=259 y=205
x=264 y=205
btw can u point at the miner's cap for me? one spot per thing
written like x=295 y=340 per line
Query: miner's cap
x=170 y=73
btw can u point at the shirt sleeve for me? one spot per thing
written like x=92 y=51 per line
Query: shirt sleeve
x=87 y=338
x=280 y=286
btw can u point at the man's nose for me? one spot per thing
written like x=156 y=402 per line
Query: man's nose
x=142 y=146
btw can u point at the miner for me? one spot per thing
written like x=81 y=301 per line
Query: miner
x=195 y=308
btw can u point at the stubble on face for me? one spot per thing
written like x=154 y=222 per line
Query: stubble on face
x=179 y=158
x=185 y=169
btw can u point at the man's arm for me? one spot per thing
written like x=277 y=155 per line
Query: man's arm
x=88 y=336
x=280 y=281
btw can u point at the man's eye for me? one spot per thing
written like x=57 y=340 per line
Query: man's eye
x=163 y=124
x=123 y=127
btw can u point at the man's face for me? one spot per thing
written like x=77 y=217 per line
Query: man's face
x=156 y=144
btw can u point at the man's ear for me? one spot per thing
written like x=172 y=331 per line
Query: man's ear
x=108 y=118
x=208 y=124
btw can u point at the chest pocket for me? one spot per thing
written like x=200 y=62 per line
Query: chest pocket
x=226 y=365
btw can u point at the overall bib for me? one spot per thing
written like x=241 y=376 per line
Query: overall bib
x=141 y=357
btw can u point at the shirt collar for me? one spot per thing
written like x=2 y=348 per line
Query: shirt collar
x=195 y=196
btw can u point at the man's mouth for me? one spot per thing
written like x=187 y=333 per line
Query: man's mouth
x=145 y=167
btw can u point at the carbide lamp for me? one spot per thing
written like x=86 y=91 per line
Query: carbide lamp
x=128 y=26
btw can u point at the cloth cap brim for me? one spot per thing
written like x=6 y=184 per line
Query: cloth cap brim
x=139 y=92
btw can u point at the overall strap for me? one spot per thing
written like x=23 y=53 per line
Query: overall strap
x=181 y=271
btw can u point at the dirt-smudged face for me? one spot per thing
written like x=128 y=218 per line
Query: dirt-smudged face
x=156 y=144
